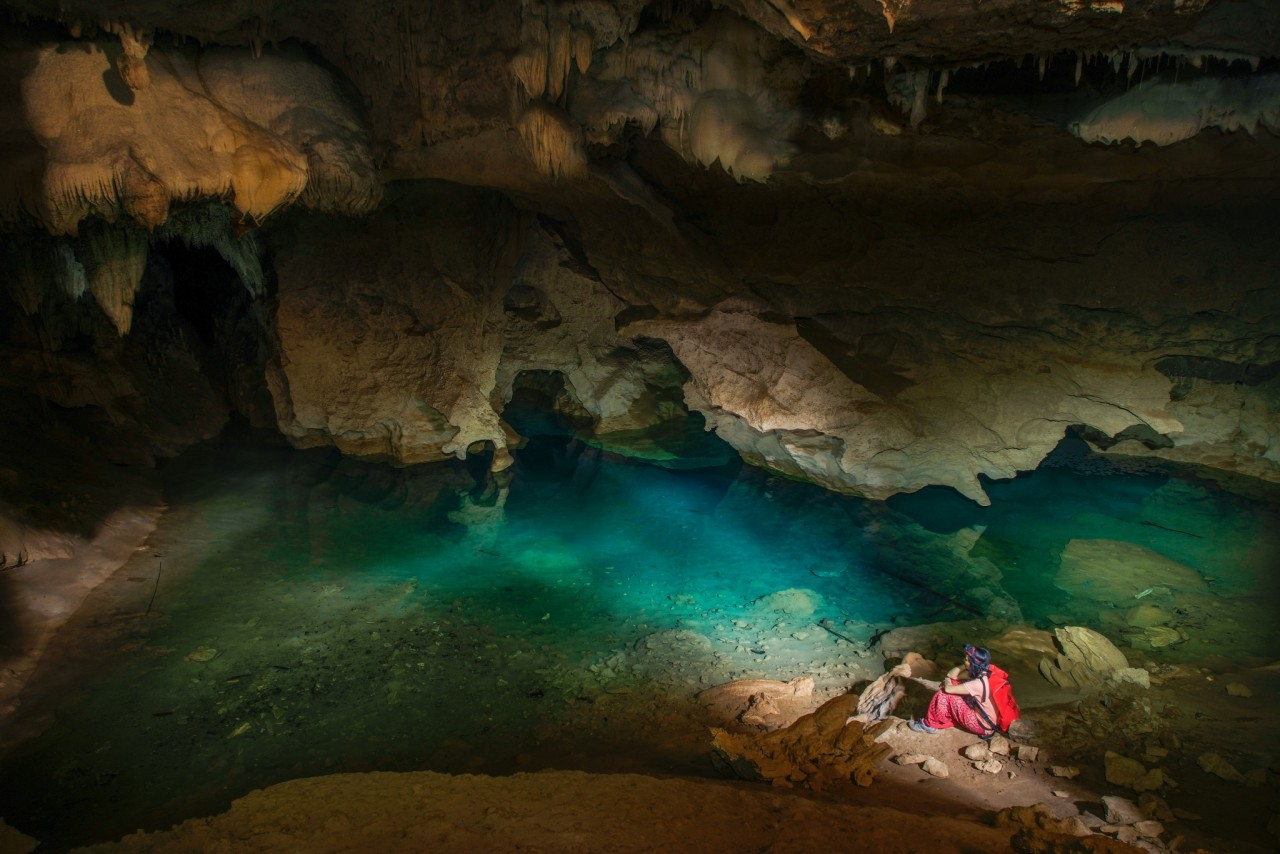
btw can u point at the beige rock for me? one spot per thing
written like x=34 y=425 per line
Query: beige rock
x=1065 y=771
x=977 y=752
x=1238 y=689
x=1087 y=659
x=911 y=758
x=936 y=767
x=1149 y=829
x=989 y=766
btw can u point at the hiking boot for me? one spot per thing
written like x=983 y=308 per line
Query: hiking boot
x=921 y=726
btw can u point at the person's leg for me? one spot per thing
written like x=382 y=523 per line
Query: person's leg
x=945 y=711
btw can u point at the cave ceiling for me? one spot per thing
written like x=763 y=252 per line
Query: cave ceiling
x=888 y=243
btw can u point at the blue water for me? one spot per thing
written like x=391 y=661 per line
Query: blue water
x=297 y=613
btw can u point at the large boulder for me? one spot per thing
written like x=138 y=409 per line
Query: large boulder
x=818 y=750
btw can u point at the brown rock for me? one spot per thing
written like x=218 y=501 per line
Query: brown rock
x=817 y=750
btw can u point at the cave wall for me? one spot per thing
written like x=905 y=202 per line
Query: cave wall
x=879 y=248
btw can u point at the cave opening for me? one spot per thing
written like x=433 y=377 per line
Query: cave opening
x=194 y=301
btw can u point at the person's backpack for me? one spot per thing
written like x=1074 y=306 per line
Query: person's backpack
x=1002 y=698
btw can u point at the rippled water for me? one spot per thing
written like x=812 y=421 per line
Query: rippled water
x=298 y=614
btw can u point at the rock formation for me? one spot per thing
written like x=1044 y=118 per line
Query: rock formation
x=880 y=249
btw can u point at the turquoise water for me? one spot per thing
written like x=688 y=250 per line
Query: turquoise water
x=297 y=613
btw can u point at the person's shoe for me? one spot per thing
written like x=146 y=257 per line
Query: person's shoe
x=921 y=726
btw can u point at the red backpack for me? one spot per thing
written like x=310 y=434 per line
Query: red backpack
x=1006 y=706
x=1007 y=710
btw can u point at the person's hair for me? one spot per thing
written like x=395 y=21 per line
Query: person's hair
x=979 y=660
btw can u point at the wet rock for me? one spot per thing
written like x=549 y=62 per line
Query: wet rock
x=797 y=602
x=1113 y=571
x=1162 y=636
x=1147 y=616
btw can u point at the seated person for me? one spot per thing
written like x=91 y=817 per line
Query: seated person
x=963 y=702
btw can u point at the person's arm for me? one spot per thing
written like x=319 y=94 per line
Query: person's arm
x=953 y=684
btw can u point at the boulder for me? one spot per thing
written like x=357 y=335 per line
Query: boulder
x=1121 y=810
x=819 y=749
x=1086 y=660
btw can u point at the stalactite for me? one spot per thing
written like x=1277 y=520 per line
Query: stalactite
x=117 y=259
x=583 y=46
x=211 y=226
x=68 y=273
x=943 y=77
x=554 y=141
